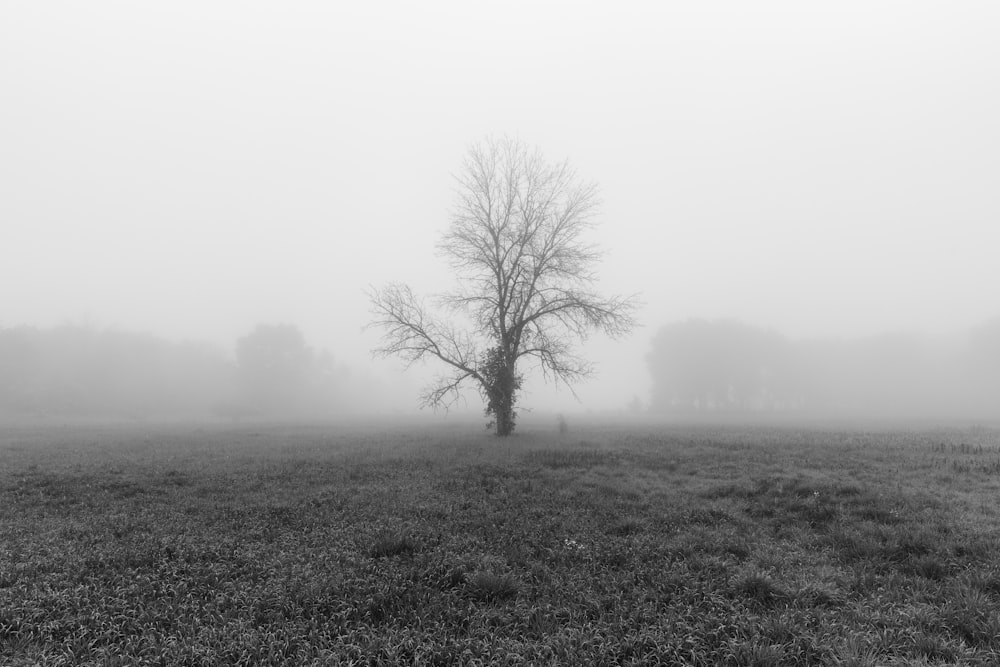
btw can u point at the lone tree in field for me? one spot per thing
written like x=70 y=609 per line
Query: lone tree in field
x=525 y=280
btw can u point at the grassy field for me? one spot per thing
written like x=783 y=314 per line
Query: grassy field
x=277 y=544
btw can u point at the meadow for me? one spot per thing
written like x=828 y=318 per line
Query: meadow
x=326 y=544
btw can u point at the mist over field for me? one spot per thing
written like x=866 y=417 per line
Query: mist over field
x=195 y=202
x=697 y=369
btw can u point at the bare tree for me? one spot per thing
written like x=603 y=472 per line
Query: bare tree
x=525 y=276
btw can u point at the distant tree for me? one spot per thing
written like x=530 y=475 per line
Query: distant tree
x=525 y=283
x=984 y=343
x=713 y=365
x=725 y=365
x=19 y=367
x=74 y=369
x=983 y=362
x=274 y=364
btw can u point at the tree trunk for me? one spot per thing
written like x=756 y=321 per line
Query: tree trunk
x=505 y=390
x=500 y=385
x=505 y=414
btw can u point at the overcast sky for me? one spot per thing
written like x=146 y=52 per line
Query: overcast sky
x=195 y=168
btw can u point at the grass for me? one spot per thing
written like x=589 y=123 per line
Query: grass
x=271 y=544
x=392 y=543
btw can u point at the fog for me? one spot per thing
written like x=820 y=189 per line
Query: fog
x=717 y=368
x=175 y=179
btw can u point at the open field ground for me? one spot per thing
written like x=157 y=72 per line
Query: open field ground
x=277 y=544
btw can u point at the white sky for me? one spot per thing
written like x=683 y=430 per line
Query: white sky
x=195 y=168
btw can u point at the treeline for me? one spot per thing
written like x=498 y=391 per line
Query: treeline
x=719 y=366
x=77 y=370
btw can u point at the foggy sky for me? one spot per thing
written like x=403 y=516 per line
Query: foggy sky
x=194 y=169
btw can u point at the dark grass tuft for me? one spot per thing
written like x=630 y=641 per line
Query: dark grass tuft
x=392 y=543
x=814 y=596
x=932 y=647
x=760 y=590
x=540 y=623
x=929 y=567
x=486 y=585
x=972 y=616
x=626 y=526
x=756 y=654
